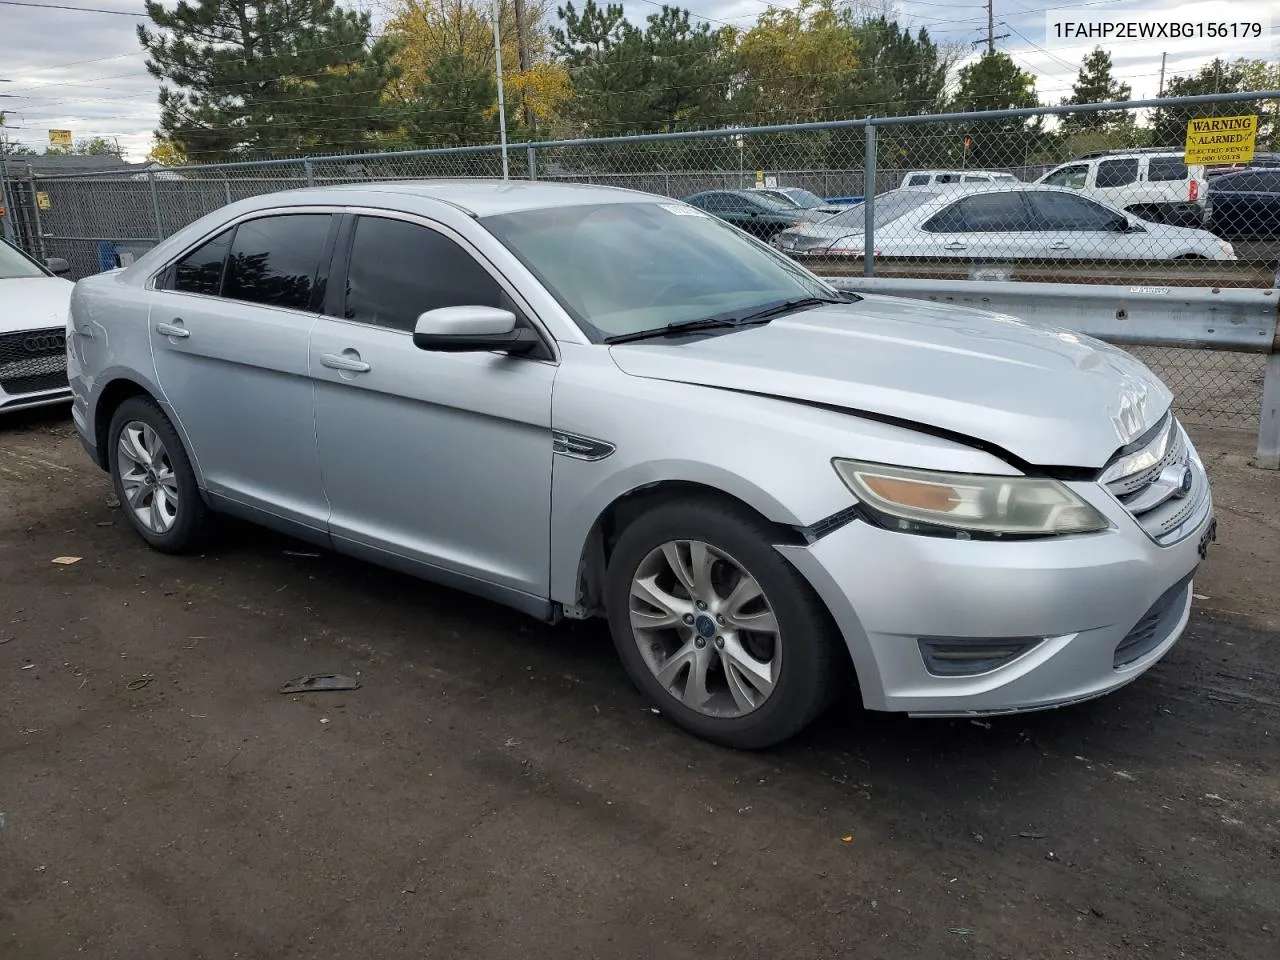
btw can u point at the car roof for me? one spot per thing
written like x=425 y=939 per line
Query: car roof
x=479 y=198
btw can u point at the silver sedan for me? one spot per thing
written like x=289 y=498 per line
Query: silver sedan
x=586 y=402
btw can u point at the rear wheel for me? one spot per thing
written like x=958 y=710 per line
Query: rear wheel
x=716 y=627
x=153 y=478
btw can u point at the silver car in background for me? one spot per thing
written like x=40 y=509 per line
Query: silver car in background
x=985 y=221
x=583 y=402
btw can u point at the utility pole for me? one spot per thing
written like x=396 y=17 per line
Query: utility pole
x=502 y=106
x=1163 y=58
x=530 y=122
x=991 y=28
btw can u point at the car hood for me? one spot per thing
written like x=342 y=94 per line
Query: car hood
x=1048 y=396
x=33 y=303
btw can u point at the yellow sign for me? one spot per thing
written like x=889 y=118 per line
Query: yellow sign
x=1 y=209
x=42 y=200
x=1221 y=139
x=60 y=138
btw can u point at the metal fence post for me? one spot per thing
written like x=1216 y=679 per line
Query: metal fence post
x=869 y=202
x=1269 y=419
x=35 y=209
x=532 y=153
x=311 y=174
x=155 y=204
x=226 y=184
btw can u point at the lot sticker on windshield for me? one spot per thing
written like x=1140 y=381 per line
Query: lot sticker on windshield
x=680 y=211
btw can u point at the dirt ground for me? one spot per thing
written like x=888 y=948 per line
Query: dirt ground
x=497 y=789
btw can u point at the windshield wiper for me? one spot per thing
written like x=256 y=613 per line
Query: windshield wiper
x=776 y=309
x=762 y=315
x=678 y=327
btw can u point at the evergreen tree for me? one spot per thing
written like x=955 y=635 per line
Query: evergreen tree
x=1219 y=76
x=454 y=106
x=995 y=82
x=1095 y=84
x=266 y=78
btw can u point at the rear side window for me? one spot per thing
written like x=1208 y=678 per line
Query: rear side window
x=1240 y=183
x=1166 y=169
x=1117 y=173
x=947 y=178
x=919 y=180
x=200 y=271
x=991 y=213
x=399 y=270
x=711 y=201
x=275 y=260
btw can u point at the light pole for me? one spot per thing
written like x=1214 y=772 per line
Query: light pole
x=502 y=107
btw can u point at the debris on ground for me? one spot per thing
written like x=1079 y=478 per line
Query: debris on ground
x=962 y=931
x=1031 y=836
x=301 y=553
x=848 y=839
x=139 y=682
x=67 y=561
x=320 y=681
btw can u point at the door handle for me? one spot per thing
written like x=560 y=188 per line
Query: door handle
x=173 y=329
x=1060 y=245
x=954 y=245
x=352 y=364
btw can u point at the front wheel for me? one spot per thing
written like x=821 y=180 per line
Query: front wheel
x=154 y=481
x=716 y=627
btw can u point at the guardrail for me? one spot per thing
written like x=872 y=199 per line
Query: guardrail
x=1253 y=275
x=1240 y=321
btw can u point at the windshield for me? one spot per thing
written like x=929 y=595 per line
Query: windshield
x=15 y=266
x=803 y=198
x=626 y=267
x=889 y=208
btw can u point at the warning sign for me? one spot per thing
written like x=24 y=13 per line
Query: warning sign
x=42 y=200
x=1213 y=140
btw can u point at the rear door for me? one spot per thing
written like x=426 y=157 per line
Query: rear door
x=229 y=328
x=984 y=227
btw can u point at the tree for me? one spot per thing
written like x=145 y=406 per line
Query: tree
x=799 y=63
x=995 y=82
x=166 y=152
x=90 y=147
x=241 y=78
x=428 y=32
x=453 y=106
x=1094 y=84
x=1219 y=76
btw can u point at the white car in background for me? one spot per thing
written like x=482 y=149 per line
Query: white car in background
x=929 y=178
x=982 y=222
x=34 y=303
x=1154 y=184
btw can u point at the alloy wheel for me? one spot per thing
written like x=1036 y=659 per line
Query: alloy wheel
x=146 y=477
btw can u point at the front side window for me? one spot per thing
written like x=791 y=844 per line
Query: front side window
x=1073 y=177
x=400 y=270
x=621 y=268
x=14 y=265
x=1117 y=173
x=1064 y=211
x=274 y=261
x=200 y=271
x=919 y=180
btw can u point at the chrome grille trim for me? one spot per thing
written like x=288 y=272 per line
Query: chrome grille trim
x=1163 y=485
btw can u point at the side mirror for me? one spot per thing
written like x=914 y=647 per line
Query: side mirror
x=472 y=330
x=57 y=266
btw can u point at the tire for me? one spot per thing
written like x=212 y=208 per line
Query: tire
x=188 y=518
x=803 y=661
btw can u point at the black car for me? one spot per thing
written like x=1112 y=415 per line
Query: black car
x=1244 y=204
x=759 y=216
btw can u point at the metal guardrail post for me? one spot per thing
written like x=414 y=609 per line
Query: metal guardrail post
x=310 y=172
x=1269 y=420
x=531 y=152
x=35 y=209
x=155 y=204
x=869 y=202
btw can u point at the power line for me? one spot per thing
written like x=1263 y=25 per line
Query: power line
x=57 y=6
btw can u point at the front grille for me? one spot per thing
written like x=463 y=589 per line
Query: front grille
x=33 y=361
x=1155 y=625
x=1162 y=483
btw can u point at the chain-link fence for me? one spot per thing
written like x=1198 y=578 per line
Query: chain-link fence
x=1099 y=194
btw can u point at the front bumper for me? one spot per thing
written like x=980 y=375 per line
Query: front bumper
x=26 y=401
x=1080 y=597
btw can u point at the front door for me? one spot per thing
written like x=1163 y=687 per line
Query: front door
x=439 y=459
x=229 y=328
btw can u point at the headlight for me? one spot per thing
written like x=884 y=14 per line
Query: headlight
x=963 y=502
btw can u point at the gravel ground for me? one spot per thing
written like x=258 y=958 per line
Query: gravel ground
x=496 y=788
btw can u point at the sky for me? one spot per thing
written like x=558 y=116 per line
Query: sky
x=83 y=71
